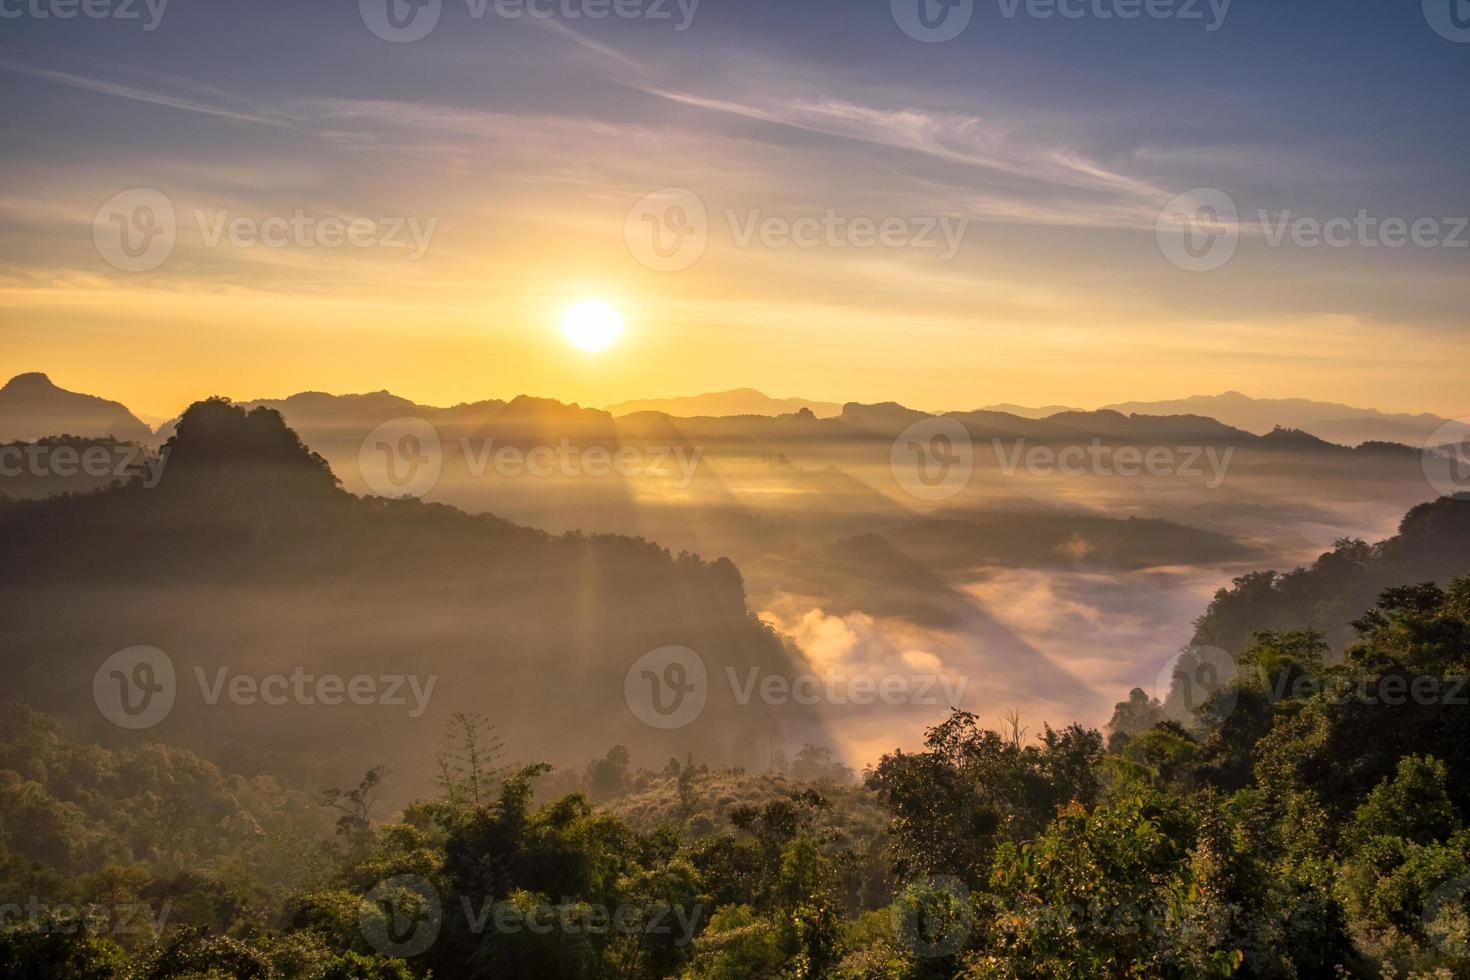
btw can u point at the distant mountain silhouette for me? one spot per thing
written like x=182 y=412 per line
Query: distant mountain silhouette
x=32 y=407
x=890 y=419
x=1026 y=412
x=1333 y=422
x=739 y=401
x=336 y=424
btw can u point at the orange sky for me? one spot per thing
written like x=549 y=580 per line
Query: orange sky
x=530 y=166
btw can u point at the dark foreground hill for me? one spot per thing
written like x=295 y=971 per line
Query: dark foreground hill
x=258 y=577
x=1433 y=545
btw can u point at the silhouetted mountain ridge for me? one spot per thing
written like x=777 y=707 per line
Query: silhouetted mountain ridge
x=33 y=407
x=255 y=560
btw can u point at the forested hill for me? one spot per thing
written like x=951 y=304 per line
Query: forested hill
x=1433 y=545
x=256 y=563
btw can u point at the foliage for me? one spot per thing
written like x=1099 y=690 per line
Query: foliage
x=1310 y=825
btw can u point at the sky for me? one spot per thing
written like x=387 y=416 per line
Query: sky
x=809 y=197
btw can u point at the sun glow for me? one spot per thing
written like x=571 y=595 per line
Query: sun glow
x=592 y=326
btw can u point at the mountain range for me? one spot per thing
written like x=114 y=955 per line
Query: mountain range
x=32 y=407
x=1331 y=421
x=1327 y=420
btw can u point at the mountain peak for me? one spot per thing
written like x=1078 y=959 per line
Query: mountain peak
x=242 y=455
x=30 y=380
x=32 y=407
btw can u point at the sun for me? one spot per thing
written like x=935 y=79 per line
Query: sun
x=592 y=326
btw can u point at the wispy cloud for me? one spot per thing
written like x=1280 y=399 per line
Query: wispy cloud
x=1030 y=168
x=583 y=41
x=148 y=96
